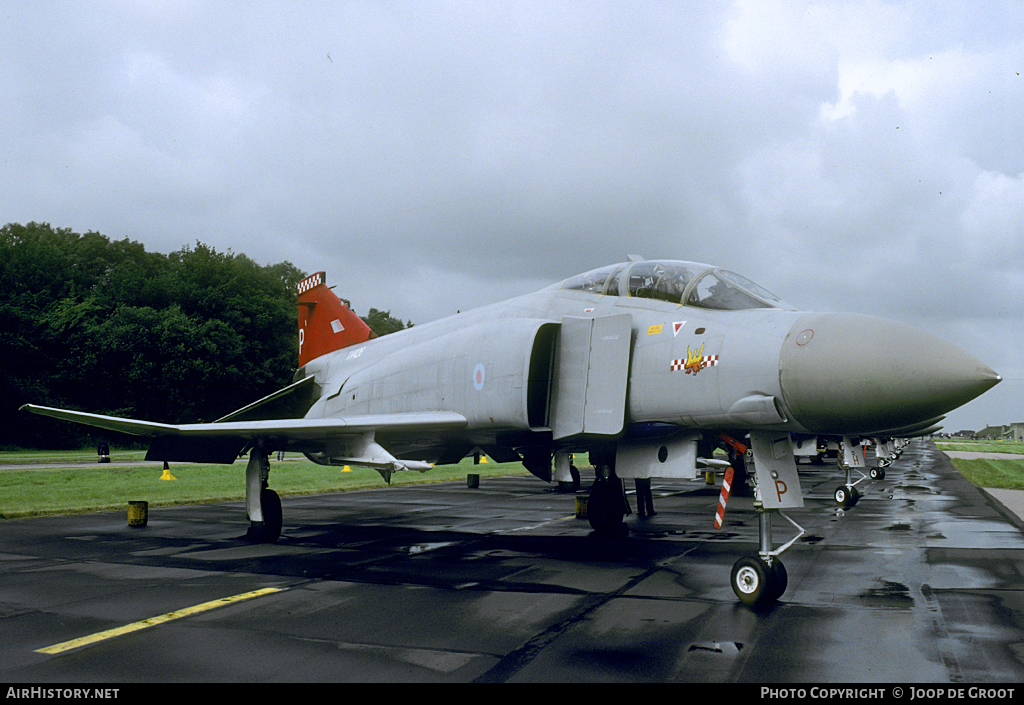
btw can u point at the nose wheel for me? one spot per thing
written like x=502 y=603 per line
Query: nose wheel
x=761 y=579
x=846 y=496
x=757 y=582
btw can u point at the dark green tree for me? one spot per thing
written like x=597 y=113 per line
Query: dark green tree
x=382 y=322
x=106 y=326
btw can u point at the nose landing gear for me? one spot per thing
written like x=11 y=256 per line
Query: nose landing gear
x=762 y=579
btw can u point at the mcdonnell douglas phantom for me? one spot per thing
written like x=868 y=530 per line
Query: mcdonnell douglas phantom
x=647 y=365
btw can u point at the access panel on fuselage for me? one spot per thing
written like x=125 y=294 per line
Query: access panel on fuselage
x=591 y=375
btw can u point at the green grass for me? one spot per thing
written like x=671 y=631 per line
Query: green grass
x=1006 y=474
x=1015 y=447
x=96 y=487
x=1000 y=474
x=87 y=455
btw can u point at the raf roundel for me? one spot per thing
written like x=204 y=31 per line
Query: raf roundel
x=478 y=377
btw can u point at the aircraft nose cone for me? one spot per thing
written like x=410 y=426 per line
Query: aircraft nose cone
x=853 y=374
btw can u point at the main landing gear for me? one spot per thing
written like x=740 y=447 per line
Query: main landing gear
x=262 y=504
x=606 y=506
x=760 y=580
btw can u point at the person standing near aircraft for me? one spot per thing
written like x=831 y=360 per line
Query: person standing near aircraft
x=644 y=498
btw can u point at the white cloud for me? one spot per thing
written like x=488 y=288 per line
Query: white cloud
x=847 y=155
x=993 y=219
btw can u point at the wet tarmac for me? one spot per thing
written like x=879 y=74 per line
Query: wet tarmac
x=921 y=582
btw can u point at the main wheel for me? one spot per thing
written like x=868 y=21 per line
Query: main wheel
x=604 y=506
x=574 y=473
x=755 y=583
x=273 y=519
x=877 y=473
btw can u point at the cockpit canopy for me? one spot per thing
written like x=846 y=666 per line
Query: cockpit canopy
x=683 y=283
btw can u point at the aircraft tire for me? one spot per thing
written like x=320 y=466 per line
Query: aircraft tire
x=604 y=507
x=845 y=496
x=877 y=473
x=273 y=519
x=841 y=496
x=754 y=583
x=779 y=579
x=573 y=485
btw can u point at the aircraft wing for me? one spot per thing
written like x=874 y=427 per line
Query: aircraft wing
x=221 y=442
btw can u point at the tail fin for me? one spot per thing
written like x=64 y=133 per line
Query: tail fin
x=325 y=323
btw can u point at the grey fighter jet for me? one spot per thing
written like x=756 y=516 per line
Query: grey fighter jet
x=647 y=365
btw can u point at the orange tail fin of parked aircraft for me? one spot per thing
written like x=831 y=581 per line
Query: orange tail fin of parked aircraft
x=325 y=323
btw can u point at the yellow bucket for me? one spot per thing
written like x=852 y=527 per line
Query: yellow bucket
x=138 y=513
x=581 y=507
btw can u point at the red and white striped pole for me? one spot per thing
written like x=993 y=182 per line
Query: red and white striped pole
x=724 y=497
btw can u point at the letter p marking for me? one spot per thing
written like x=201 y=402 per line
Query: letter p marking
x=780 y=488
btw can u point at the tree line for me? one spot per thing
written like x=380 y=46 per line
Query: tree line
x=96 y=324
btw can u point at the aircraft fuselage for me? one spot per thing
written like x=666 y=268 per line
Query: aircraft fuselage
x=523 y=374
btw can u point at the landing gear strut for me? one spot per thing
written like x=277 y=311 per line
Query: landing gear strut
x=262 y=504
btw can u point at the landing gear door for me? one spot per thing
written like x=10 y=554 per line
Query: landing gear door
x=778 y=483
x=591 y=374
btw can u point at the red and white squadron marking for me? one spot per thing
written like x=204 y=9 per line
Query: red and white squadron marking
x=694 y=362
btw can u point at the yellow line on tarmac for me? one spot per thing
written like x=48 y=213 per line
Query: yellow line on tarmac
x=153 y=621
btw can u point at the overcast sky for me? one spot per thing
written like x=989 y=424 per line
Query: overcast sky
x=434 y=156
